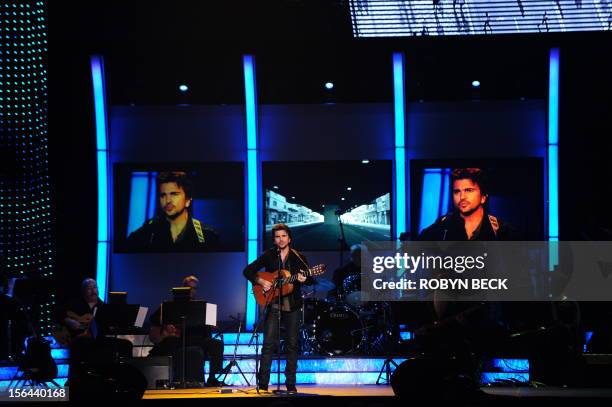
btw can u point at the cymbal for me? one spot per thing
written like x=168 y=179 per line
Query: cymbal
x=307 y=293
x=322 y=284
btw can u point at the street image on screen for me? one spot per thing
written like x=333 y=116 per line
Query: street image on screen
x=328 y=203
x=179 y=207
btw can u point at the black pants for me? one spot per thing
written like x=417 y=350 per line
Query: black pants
x=291 y=322
x=212 y=350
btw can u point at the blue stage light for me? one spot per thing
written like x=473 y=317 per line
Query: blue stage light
x=97 y=75
x=329 y=85
x=253 y=180
x=553 y=144
x=400 y=139
x=183 y=88
x=476 y=84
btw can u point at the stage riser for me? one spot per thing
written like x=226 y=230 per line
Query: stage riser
x=7 y=372
x=332 y=371
x=337 y=365
x=61 y=381
x=310 y=378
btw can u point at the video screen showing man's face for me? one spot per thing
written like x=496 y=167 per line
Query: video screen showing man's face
x=508 y=191
x=182 y=208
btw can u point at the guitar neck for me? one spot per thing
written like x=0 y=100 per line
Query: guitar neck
x=291 y=280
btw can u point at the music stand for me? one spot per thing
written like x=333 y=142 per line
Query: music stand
x=117 y=297
x=116 y=319
x=180 y=294
x=181 y=311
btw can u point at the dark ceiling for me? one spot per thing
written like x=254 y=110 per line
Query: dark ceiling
x=152 y=47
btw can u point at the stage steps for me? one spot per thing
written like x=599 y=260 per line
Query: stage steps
x=344 y=370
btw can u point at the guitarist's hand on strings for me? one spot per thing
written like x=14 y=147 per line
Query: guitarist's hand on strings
x=301 y=278
x=265 y=284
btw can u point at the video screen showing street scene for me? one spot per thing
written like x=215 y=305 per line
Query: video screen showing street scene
x=328 y=204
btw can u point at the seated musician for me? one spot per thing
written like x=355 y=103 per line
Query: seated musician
x=77 y=329
x=167 y=338
x=352 y=268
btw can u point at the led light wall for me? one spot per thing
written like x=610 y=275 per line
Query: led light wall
x=25 y=207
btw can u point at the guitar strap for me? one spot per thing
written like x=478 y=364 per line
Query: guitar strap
x=198 y=229
x=299 y=257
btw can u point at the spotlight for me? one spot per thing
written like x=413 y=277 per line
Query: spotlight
x=476 y=84
x=365 y=161
x=342 y=198
x=275 y=186
x=349 y=188
x=329 y=85
x=183 y=88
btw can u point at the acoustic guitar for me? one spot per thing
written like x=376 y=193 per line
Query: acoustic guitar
x=64 y=336
x=266 y=297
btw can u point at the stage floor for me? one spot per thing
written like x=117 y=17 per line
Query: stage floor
x=305 y=390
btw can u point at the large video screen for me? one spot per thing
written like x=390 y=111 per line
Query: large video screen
x=178 y=207
x=515 y=189
x=328 y=203
x=387 y=18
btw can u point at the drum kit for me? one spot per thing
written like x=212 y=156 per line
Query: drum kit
x=345 y=324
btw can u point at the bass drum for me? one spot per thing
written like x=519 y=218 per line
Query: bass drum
x=339 y=330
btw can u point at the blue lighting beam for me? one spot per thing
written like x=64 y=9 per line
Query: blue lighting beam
x=99 y=94
x=399 y=108
x=553 y=158
x=553 y=144
x=250 y=92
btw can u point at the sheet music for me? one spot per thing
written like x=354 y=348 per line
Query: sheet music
x=140 y=318
x=211 y=314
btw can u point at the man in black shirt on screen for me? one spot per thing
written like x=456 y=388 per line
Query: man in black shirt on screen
x=174 y=229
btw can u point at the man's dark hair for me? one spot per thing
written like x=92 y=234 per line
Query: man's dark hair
x=178 y=177
x=476 y=175
x=281 y=226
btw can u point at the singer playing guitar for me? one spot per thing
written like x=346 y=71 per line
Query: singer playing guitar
x=283 y=256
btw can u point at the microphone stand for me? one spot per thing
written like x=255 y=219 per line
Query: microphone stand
x=279 y=280
x=184 y=335
x=233 y=362
x=255 y=335
x=342 y=239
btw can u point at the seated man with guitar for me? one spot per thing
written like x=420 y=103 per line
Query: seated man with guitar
x=167 y=338
x=294 y=271
x=77 y=330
